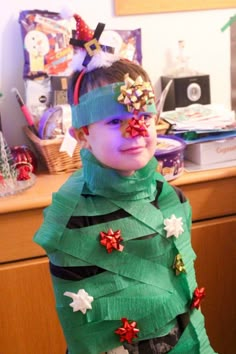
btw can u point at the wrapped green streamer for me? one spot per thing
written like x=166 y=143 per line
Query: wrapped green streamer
x=151 y=293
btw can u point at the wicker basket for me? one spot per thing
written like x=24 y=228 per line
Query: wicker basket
x=57 y=162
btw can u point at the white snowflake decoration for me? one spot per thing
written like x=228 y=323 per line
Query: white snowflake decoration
x=173 y=226
x=81 y=301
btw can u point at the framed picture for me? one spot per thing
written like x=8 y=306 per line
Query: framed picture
x=138 y=7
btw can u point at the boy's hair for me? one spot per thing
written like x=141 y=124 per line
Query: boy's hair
x=106 y=75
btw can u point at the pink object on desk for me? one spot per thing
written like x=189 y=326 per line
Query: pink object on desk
x=25 y=111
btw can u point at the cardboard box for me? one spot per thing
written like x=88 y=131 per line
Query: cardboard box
x=212 y=151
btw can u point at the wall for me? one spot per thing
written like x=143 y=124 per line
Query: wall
x=208 y=46
x=233 y=65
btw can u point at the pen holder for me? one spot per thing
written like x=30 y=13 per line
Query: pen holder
x=56 y=162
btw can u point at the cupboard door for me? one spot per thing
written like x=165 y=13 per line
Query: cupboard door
x=214 y=244
x=17 y=230
x=29 y=321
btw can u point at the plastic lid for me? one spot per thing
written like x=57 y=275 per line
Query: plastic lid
x=168 y=144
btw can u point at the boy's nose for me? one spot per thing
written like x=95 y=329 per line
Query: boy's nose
x=136 y=126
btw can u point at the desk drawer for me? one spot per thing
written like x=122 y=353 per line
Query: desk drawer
x=16 y=234
x=211 y=199
x=208 y=199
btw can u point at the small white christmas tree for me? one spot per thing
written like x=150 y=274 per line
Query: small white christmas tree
x=8 y=171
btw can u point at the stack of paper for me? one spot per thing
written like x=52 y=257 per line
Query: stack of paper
x=205 y=122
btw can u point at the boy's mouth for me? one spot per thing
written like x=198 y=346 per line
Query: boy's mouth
x=133 y=149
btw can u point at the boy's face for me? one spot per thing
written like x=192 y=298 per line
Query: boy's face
x=114 y=147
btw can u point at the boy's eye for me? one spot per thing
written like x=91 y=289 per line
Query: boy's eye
x=146 y=116
x=115 y=121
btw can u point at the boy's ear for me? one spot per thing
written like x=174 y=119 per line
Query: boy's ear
x=80 y=136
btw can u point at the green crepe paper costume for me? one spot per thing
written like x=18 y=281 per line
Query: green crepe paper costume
x=138 y=283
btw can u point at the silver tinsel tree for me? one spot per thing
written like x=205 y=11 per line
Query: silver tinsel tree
x=8 y=171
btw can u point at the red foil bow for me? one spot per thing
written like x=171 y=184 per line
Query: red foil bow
x=111 y=240
x=137 y=126
x=198 y=295
x=128 y=332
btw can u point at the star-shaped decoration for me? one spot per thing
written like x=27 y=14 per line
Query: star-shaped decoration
x=136 y=94
x=198 y=295
x=173 y=226
x=178 y=265
x=128 y=332
x=137 y=126
x=111 y=240
x=81 y=301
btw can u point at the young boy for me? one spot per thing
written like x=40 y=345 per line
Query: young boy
x=117 y=234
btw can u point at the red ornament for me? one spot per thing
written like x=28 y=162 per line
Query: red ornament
x=128 y=332
x=23 y=156
x=198 y=295
x=1 y=179
x=137 y=126
x=111 y=240
x=24 y=173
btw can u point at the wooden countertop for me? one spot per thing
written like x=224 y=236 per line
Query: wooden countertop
x=204 y=176
x=39 y=195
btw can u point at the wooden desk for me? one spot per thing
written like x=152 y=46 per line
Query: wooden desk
x=29 y=322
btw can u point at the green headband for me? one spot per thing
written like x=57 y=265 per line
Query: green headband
x=101 y=103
